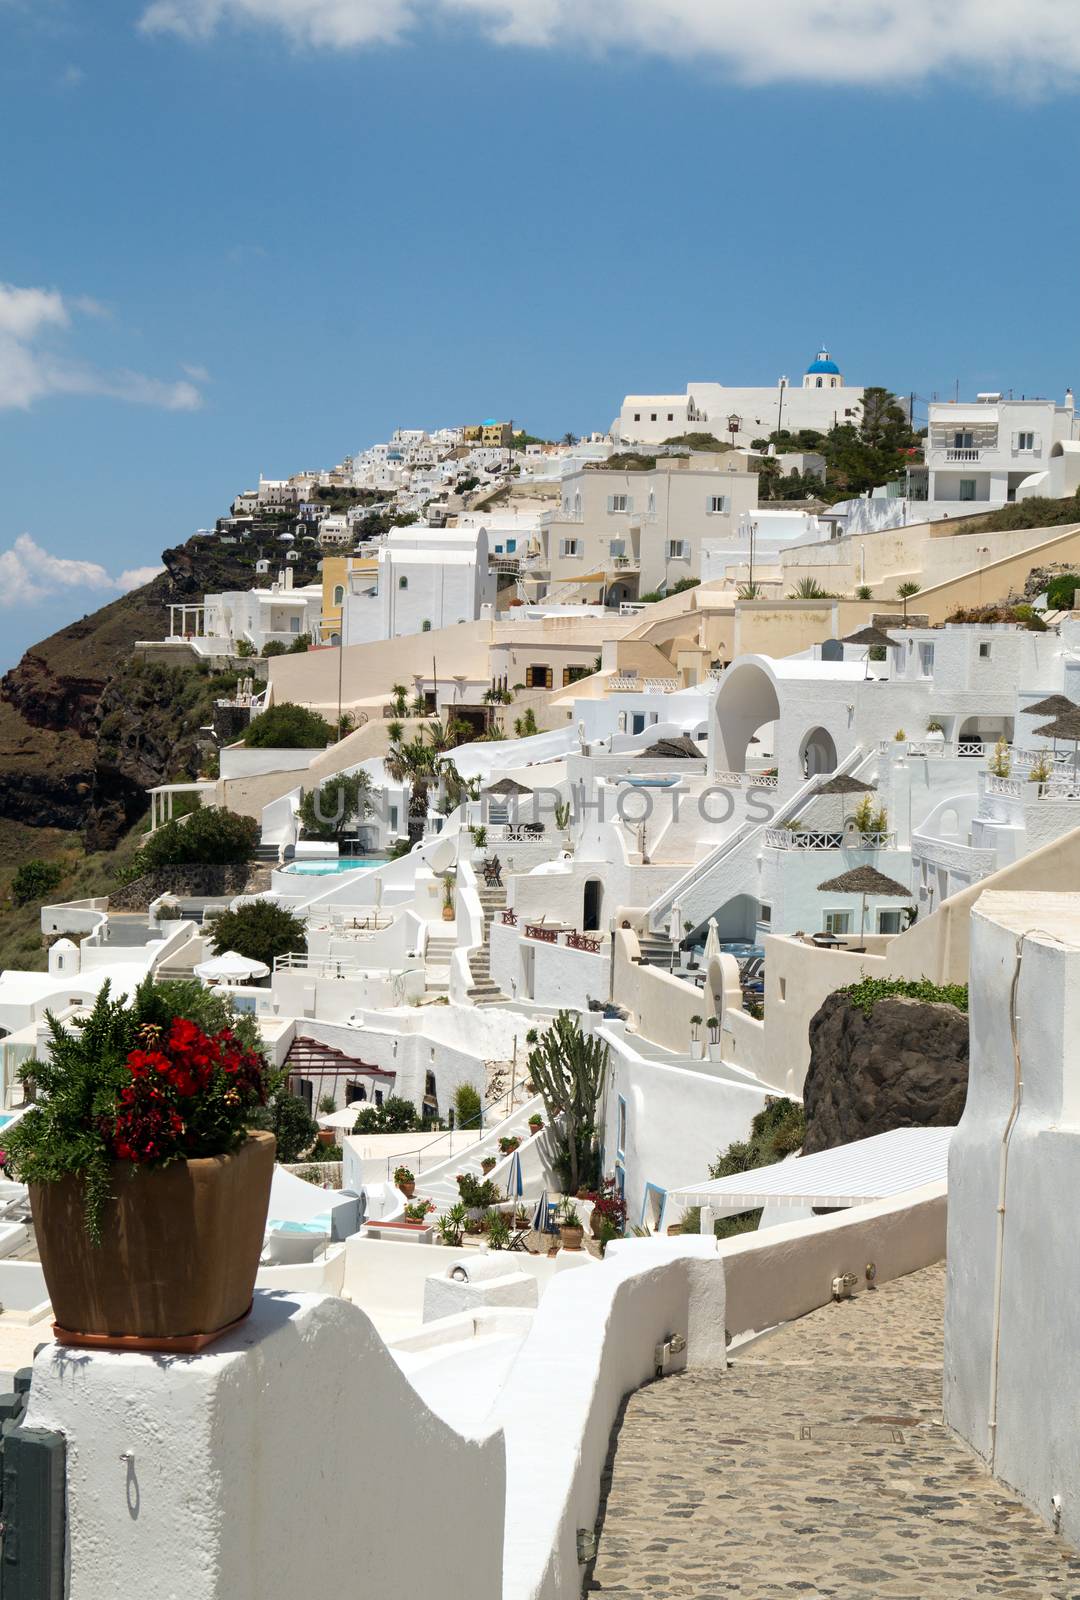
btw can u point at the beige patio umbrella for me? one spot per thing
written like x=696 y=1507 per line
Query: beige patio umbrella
x=842 y=784
x=865 y=881
x=1067 y=726
x=873 y=638
x=1054 y=705
x=712 y=942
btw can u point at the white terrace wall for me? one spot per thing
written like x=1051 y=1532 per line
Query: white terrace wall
x=293 y=1452
x=1012 y=1344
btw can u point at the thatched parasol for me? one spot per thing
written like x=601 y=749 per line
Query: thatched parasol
x=869 y=636
x=844 y=785
x=1067 y=726
x=508 y=786
x=679 y=748
x=865 y=881
x=1055 y=705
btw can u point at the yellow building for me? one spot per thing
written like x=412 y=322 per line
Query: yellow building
x=496 y=435
x=335 y=586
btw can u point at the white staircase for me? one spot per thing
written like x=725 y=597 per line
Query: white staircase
x=437 y=953
x=439 y=1182
x=731 y=868
x=483 y=990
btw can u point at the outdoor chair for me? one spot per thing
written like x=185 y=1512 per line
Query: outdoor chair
x=492 y=872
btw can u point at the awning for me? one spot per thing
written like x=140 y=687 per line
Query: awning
x=851 y=1175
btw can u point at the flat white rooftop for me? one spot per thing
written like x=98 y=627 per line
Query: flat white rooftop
x=851 y=1175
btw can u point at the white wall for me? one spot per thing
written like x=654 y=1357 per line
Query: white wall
x=293 y=1452
x=1012 y=1336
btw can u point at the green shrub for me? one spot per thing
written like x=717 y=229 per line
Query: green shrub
x=288 y=727
x=273 y=647
x=467 y=1106
x=34 y=880
x=866 y=994
x=395 y=1115
x=1061 y=591
x=259 y=930
x=210 y=836
x=292 y=1126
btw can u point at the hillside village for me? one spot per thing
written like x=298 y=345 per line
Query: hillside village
x=644 y=864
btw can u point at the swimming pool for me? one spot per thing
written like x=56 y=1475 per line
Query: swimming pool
x=323 y=869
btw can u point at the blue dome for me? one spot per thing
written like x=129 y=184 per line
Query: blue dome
x=824 y=363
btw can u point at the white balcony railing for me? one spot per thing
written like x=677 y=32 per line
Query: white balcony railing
x=962 y=455
x=833 y=839
x=746 y=780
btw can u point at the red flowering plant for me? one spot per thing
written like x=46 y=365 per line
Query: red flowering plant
x=610 y=1206
x=172 y=1076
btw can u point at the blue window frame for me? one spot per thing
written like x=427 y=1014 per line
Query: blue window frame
x=654 y=1197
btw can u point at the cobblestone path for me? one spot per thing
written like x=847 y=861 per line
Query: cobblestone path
x=816 y=1466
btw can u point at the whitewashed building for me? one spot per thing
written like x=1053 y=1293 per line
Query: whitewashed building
x=821 y=400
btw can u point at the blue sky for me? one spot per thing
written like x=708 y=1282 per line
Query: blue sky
x=244 y=238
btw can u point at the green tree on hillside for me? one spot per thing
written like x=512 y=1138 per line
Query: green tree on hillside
x=288 y=727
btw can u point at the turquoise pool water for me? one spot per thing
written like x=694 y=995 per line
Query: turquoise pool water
x=323 y=869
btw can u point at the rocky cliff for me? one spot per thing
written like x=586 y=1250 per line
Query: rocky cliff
x=903 y=1066
x=84 y=729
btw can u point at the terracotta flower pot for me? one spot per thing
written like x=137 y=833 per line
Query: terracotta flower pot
x=572 y=1237
x=407 y=1189
x=327 y=1136
x=448 y=913
x=179 y=1249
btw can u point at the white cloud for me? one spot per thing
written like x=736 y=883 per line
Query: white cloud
x=195 y=372
x=30 y=574
x=31 y=368
x=135 y=577
x=1023 y=48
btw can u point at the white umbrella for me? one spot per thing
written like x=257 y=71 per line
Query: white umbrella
x=378 y=895
x=712 y=942
x=345 y=1118
x=231 y=967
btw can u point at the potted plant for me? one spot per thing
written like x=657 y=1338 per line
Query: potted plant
x=487 y=1163
x=327 y=1105
x=142 y=1163
x=697 y=1046
x=498 y=1230
x=508 y=1144
x=570 y=1229
x=476 y=1194
x=536 y=1122
x=418 y=1210
x=713 y=1026
x=405 y=1181
x=451 y=1225
x=449 y=880
x=608 y=1219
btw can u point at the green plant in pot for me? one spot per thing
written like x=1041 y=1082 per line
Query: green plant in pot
x=149 y=1180
x=405 y=1180
x=570 y=1228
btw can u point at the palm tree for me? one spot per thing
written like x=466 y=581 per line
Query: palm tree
x=569 y=439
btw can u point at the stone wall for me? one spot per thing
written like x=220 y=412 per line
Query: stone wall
x=904 y=1066
x=190 y=882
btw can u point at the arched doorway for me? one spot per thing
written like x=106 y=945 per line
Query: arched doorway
x=817 y=752
x=745 y=703
x=594 y=897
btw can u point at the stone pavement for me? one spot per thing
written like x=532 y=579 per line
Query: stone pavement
x=818 y=1465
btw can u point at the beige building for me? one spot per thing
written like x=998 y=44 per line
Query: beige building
x=627 y=533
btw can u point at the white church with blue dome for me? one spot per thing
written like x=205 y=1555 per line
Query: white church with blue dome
x=821 y=401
